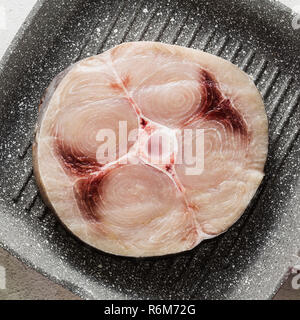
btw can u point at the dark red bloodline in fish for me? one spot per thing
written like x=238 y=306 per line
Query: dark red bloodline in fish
x=214 y=106
x=75 y=162
x=143 y=123
x=87 y=194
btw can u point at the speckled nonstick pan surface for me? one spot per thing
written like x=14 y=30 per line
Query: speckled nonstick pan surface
x=248 y=261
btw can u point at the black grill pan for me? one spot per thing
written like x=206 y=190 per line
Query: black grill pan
x=251 y=259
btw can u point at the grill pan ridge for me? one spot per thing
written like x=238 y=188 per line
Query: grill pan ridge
x=248 y=261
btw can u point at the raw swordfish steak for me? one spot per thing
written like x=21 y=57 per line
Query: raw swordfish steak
x=148 y=148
